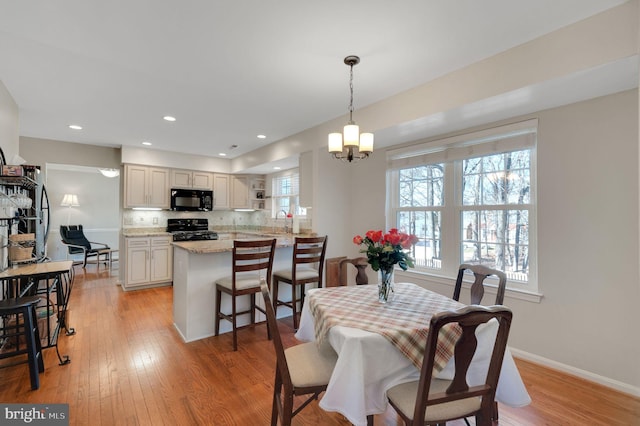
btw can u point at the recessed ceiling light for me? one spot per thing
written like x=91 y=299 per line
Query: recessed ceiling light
x=169 y=118
x=147 y=143
x=262 y=137
x=276 y=168
x=75 y=127
x=222 y=154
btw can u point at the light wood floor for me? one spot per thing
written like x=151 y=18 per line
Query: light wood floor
x=130 y=367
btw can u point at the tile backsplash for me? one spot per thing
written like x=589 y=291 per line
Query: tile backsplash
x=219 y=220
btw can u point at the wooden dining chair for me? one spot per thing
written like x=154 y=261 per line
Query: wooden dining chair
x=432 y=401
x=480 y=273
x=304 y=369
x=306 y=268
x=338 y=267
x=252 y=260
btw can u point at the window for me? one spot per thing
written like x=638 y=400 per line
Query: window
x=285 y=189
x=469 y=199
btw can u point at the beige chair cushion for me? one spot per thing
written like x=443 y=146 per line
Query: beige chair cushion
x=243 y=281
x=404 y=397
x=302 y=273
x=309 y=365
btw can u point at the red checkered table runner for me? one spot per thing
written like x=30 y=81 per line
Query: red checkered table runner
x=404 y=321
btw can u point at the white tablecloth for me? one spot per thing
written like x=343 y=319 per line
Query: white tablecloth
x=368 y=365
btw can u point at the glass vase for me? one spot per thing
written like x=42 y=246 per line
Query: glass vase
x=385 y=285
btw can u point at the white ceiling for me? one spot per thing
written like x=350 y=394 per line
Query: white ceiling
x=230 y=70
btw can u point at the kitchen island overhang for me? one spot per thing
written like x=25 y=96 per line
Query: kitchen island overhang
x=196 y=267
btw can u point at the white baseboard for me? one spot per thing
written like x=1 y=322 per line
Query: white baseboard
x=583 y=374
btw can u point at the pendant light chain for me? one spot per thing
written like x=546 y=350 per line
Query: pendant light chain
x=351 y=90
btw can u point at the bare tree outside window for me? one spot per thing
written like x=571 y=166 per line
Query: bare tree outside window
x=495 y=198
x=494 y=203
x=422 y=194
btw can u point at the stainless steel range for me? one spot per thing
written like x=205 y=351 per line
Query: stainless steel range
x=190 y=230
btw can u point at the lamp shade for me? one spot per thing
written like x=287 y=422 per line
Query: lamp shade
x=70 y=200
x=110 y=173
x=351 y=135
x=335 y=142
x=366 y=142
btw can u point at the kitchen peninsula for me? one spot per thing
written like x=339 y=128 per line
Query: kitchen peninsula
x=196 y=267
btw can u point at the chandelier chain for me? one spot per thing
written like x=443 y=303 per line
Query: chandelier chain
x=351 y=91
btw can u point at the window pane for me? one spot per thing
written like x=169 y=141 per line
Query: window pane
x=285 y=196
x=498 y=239
x=421 y=186
x=498 y=179
x=426 y=225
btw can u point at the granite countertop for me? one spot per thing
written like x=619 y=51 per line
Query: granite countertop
x=225 y=241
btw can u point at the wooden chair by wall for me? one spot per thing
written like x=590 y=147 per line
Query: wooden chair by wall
x=307 y=268
x=480 y=273
x=252 y=261
x=435 y=401
x=303 y=369
x=338 y=270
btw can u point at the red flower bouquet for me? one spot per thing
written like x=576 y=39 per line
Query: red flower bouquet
x=386 y=250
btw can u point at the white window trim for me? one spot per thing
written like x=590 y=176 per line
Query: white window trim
x=274 y=196
x=511 y=137
x=424 y=278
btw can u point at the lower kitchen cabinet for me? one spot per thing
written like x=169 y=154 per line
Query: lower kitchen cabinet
x=149 y=261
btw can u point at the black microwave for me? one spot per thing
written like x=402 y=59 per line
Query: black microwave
x=191 y=200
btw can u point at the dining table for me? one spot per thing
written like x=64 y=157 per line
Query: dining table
x=381 y=345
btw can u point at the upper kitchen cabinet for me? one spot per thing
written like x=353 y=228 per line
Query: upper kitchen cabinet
x=239 y=192
x=221 y=191
x=146 y=187
x=189 y=179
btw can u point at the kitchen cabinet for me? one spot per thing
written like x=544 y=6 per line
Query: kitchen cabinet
x=146 y=187
x=239 y=192
x=221 y=191
x=189 y=179
x=149 y=261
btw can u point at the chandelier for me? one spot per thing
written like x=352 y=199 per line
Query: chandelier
x=351 y=145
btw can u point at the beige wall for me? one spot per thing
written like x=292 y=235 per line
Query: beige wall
x=42 y=151
x=8 y=123
x=175 y=160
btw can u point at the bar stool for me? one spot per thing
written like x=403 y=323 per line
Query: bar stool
x=306 y=268
x=28 y=328
x=252 y=261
